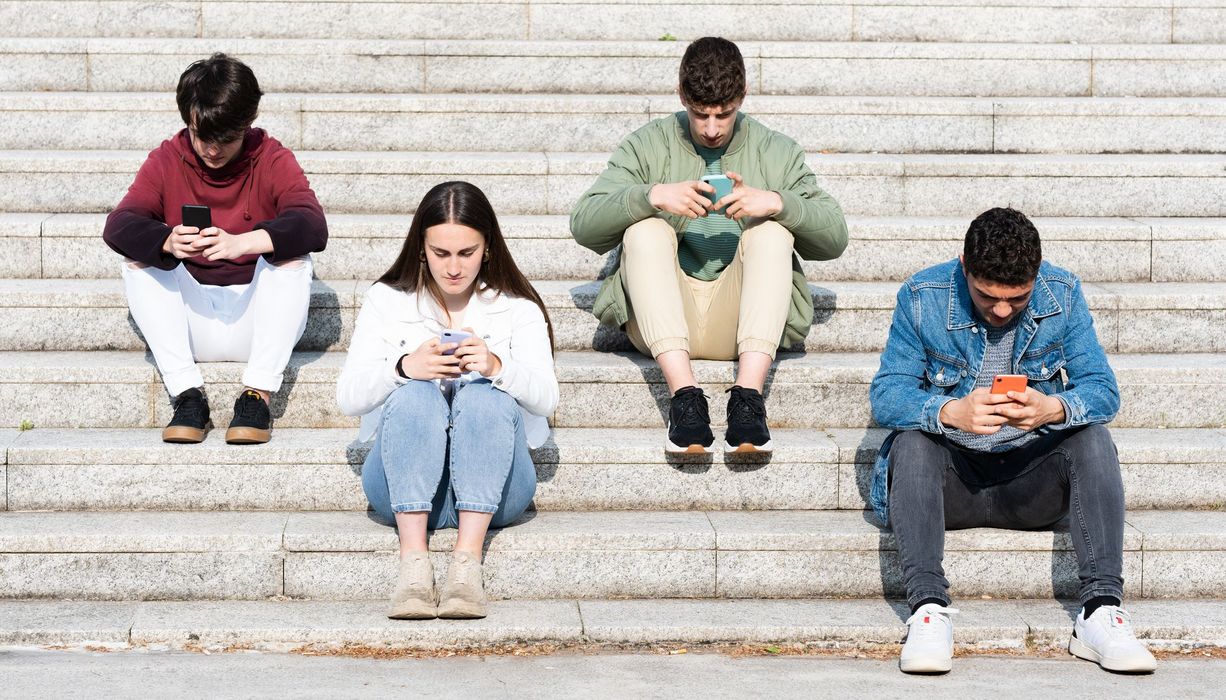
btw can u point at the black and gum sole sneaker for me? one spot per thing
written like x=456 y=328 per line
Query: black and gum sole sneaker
x=183 y=434
x=748 y=448
x=247 y=436
x=694 y=449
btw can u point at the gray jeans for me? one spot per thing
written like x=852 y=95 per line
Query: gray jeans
x=937 y=486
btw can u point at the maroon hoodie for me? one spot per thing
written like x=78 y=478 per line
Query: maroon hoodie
x=262 y=188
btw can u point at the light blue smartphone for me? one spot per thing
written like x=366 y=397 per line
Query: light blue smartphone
x=452 y=336
x=723 y=188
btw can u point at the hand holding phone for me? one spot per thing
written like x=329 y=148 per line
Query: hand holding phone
x=428 y=362
x=475 y=356
x=1004 y=383
x=452 y=337
x=723 y=188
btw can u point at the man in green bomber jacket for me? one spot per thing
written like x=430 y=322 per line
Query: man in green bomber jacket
x=703 y=279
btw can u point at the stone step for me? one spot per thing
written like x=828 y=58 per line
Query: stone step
x=696 y=554
x=363 y=246
x=122 y=390
x=579 y=469
x=551 y=183
x=630 y=67
x=564 y=123
x=1079 y=21
x=1150 y=317
x=1028 y=625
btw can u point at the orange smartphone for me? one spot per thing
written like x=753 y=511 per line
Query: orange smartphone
x=1004 y=383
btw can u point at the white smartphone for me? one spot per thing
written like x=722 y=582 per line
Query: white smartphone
x=450 y=335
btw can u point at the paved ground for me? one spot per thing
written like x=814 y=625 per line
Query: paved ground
x=126 y=674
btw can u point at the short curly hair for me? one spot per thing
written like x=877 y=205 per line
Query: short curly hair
x=1002 y=246
x=712 y=73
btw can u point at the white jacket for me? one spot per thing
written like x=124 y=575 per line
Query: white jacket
x=393 y=323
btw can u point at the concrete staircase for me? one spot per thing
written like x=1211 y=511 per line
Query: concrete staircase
x=1103 y=119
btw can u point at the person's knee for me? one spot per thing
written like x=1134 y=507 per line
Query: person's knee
x=292 y=264
x=767 y=234
x=649 y=235
x=1092 y=450
x=417 y=402
x=483 y=403
x=915 y=458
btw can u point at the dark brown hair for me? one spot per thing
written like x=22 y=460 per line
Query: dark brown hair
x=464 y=204
x=1002 y=246
x=712 y=73
x=221 y=96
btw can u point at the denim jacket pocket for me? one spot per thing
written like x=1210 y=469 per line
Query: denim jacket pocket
x=944 y=372
x=1042 y=368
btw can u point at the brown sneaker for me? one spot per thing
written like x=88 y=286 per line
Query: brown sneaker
x=191 y=419
x=413 y=597
x=463 y=595
x=252 y=423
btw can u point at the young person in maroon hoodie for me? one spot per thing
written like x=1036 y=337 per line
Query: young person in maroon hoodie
x=238 y=290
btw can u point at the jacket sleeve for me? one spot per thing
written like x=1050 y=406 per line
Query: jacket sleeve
x=528 y=375
x=899 y=400
x=813 y=217
x=369 y=375
x=1091 y=394
x=136 y=228
x=615 y=202
x=299 y=227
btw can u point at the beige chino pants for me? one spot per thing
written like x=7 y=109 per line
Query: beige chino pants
x=742 y=310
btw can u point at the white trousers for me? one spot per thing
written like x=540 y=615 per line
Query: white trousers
x=185 y=322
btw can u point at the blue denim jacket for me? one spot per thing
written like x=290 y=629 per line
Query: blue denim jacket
x=936 y=348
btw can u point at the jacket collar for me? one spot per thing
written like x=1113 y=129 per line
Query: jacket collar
x=418 y=308
x=962 y=311
x=682 y=122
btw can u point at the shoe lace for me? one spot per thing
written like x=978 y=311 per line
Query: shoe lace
x=249 y=405
x=189 y=409
x=691 y=408
x=745 y=406
x=918 y=628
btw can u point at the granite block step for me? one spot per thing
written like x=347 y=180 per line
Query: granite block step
x=1145 y=317
x=579 y=469
x=693 y=554
x=852 y=625
x=1081 y=21
x=595 y=123
x=551 y=183
x=112 y=389
x=363 y=246
x=631 y=67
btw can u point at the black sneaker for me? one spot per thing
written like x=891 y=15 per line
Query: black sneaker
x=747 y=431
x=191 y=418
x=689 y=422
x=252 y=423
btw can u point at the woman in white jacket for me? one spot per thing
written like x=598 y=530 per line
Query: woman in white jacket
x=452 y=422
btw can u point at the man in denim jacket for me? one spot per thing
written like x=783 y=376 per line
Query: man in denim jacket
x=961 y=456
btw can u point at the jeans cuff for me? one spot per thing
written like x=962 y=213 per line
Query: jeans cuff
x=1114 y=592
x=755 y=345
x=664 y=345
x=916 y=597
x=477 y=507
x=412 y=507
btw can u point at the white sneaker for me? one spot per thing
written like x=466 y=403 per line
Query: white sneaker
x=1107 y=639
x=930 y=641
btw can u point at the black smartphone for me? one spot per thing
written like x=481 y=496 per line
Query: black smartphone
x=197 y=215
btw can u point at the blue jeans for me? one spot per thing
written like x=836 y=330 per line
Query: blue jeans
x=429 y=456
x=937 y=486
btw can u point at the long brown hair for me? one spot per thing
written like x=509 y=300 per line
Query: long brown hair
x=464 y=204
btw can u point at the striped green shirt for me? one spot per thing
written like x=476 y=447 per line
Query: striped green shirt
x=709 y=242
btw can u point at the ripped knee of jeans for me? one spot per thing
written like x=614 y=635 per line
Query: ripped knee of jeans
x=133 y=265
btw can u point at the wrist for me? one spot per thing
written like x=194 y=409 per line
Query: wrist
x=495 y=365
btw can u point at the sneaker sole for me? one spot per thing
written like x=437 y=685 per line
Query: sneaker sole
x=1081 y=650
x=247 y=436
x=926 y=665
x=461 y=610
x=417 y=611
x=694 y=449
x=748 y=448
x=183 y=434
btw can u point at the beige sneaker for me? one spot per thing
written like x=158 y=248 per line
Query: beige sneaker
x=463 y=595
x=413 y=598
